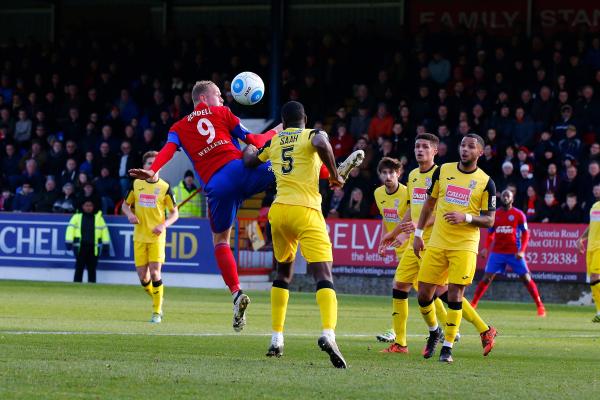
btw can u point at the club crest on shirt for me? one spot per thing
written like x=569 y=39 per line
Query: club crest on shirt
x=511 y=217
x=396 y=203
x=157 y=191
x=472 y=184
x=427 y=182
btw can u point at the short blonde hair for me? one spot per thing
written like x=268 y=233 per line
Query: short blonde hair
x=200 y=88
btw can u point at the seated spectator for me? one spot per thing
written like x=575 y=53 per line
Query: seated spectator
x=65 y=203
x=551 y=182
x=341 y=118
x=532 y=205
x=87 y=193
x=108 y=189
x=6 y=199
x=571 y=213
x=366 y=166
x=44 y=201
x=341 y=143
x=381 y=124
x=107 y=158
x=335 y=205
x=508 y=176
x=37 y=153
x=23 y=201
x=523 y=182
x=56 y=158
x=570 y=183
x=489 y=162
x=10 y=163
x=31 y=175
x=570 y=145
x=442 y=156
x=69 y=174
x=23 y=128
x=524 y=129
x=359 y=124
x=550 y=209
x=356 y=207
x=88 y=166
x=400 y=140
x=565 y=121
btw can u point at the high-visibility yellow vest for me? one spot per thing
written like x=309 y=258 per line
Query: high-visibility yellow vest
x=193 y=208
x=101 y=235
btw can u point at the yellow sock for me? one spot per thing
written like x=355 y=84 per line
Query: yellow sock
x=147 y=287
x=327 y=302
x=473 y=317
x=400 y=315
x=596 y=295
x=428 y=313
x=452 y=324
x=440 y=311
x=280 y=295
x=157 y=296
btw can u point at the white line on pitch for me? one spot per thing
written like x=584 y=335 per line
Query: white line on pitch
x=224 y=334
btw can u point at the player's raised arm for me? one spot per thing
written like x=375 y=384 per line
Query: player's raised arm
x=164 y=156
x=239 y=131
x=253 y=157
x=321 y=143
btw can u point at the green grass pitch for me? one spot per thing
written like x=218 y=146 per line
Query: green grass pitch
x=67 y=341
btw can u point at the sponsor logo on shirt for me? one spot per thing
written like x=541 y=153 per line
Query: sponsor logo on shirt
x=505 y=229
x=147 y=200
x=458 y=195
x=391 y=215
x=595 y=215
x=419 y=195
x=212 y=146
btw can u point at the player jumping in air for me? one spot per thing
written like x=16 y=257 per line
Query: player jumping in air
x=465 y=197
x=209 y=136
x=150 y=199
x=592 y=236
x=297 y=154
x=508 y=239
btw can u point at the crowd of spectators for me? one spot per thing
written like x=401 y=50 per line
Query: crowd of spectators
x=75 y=116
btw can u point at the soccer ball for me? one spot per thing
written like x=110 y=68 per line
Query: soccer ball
x=247 y=88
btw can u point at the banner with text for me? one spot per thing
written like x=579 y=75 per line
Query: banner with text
x=497 y=17
x=551 y=256
x=38 y=240
x=550 y=15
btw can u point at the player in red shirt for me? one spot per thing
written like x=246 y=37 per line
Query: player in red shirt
x=209 y=136
x=508 y=239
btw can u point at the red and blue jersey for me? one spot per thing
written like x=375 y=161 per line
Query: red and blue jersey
x=209 y=136
x=510 y=234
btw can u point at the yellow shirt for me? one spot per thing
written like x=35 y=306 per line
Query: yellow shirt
x=417 y=186
x=296 y=165
x=593 y=241
x=463 y=192
x=150 y=200
x=392 y=208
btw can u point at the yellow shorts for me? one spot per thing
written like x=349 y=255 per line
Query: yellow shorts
x=408 y=268
x=592 y=259
x=144 y=253
x=292 y=224
x=440 y=266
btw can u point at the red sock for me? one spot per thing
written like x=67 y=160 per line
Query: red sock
x=533 y=291
x=227 y=265
x=479 y=291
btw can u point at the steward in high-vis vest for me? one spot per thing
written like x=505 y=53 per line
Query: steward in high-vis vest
x=87 y=235
x=185 y=188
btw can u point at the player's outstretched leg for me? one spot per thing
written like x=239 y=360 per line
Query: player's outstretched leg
x=354 y=160
x=280 y=295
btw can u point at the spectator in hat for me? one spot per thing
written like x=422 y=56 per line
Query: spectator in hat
x=507 y=177
x=524 y=181
x=565 y=120
x=23 y=201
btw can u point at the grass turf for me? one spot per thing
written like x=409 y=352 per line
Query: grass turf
x=60 y=341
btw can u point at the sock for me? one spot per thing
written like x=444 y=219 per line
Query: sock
x=453 y=322
x=228 y=267
x=595 y=285
x=147 y=287
x=472 y=316
x=448 y=344
x=157 y=296
x=277 y=338
x=440 y=311
x=533 y=291
x=479 y=292
x=428 y=312
x=280 y=295
x=400 y=315
x=327 y=302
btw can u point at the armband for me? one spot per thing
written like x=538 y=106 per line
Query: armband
x=419 y=233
